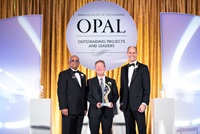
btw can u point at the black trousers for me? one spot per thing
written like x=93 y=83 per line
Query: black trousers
x=94 y=124
x=131 y=118
x=72 y=124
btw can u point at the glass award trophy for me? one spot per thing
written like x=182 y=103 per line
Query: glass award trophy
x=105 y=95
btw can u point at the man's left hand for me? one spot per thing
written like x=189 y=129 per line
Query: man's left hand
x=142 y=108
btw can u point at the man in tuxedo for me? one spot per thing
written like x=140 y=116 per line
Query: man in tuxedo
x=134 y=92
x=100 y=86
x=72 y=97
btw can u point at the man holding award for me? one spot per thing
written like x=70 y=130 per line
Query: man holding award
x=102 y=96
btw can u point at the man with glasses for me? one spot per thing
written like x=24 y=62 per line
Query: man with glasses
x=72 y=97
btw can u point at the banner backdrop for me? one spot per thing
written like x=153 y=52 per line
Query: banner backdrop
x=20 y=50
x=101 y=30
x=181 y=67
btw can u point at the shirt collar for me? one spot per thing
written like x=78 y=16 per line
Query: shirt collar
x=101 y=77
x=135 y=62
x=73 y=69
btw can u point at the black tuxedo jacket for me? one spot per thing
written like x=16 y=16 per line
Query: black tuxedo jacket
x=139 y=90
x=70 y=94
x=95 y=96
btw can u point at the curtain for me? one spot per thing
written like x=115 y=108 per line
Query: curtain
x=55 y=54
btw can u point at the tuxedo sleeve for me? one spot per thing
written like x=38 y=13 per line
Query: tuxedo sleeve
x=121 y=87
x=90 y=96
x=62 y=91
x=146 y=85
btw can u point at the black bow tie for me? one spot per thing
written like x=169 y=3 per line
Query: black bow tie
x=75 y=72
x=133 y=64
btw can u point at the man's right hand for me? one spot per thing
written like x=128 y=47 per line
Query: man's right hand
x=99 y=105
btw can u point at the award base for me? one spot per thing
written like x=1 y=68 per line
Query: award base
x=105 y=104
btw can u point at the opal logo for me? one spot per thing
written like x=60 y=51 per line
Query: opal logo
x=98 y=24
x=101 y=30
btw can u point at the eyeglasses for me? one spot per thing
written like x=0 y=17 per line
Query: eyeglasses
x=77 y=61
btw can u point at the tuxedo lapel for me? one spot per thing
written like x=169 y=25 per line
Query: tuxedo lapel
x=106 y=80
x=81 y=77
x=133 y=76
x=96 y=81
x=97 y=84
x=81 y=80
x=126 y=72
